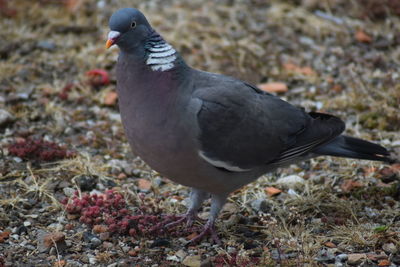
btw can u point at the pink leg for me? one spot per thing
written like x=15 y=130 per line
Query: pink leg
x=190 y=217
x=209 y=229
x=217 y=202
x=197 y=197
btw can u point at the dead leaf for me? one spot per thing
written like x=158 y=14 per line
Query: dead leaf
x=363 y=37
x=307 y=71
x=60 y=263
x=349 y=185
x=390 y=170
x=291 y=67
x=384 y=263
x=179 y=198
x=273 y=87
x=192 y=235
x=4 y=235
x=272 y=191
x=73 y=5
x=329 y=244
x=337 y=88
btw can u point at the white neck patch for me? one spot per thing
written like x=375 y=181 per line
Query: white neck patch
x=161 y=56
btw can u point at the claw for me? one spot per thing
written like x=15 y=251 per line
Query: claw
x=209 y=229
x=190 y=217
x=183 y=218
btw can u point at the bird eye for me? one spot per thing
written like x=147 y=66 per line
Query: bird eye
x=133 y=25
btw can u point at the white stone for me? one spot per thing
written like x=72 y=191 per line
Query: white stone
x=292 y=192
x=173 y=258
x=181 y=254
x=68 y=191
x=390 y=248
x=5 y=116
x=291 y=181
x=192 y=261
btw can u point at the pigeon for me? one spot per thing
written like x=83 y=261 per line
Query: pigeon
x=211 y=132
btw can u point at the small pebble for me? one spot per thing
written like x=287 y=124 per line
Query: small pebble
x=46 y=45
x=30 y=247
x=341 y=257
x=104 y=236
x=390 y=248
x=260 y=205
x=356 y=258
x=5 y=117
x=22 y=229
x=325 y=256
x=173 y=258
x=181 y=254
x=68 y=191
x=108 y=245
x=92 y=260
x=291 y=181
x=17 y=159
x=231 y=250
x=292 y=192
x=86 y=182
x=192 y=261
x=125 y=249
x=160 y=242
x=95 y=242
x=56 y=237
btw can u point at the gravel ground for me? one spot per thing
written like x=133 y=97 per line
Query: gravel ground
x=73 y=194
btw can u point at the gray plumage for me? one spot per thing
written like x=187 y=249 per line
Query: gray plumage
x=207 y=131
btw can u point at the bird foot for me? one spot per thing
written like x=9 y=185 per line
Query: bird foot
x=172 y=221
x=190 y=218
x=209 y=229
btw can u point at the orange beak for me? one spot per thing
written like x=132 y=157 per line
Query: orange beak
x=112 y=38
x=109 y=43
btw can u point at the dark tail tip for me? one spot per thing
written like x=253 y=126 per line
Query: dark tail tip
x=351 y=147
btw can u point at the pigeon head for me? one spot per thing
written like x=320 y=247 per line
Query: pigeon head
x=129 y=28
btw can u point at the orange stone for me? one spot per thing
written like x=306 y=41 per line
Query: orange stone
x=60 y=263
x=110 y=99
x=98 y=228
x=273 y=87
x=363 y=37
x=144 y=184
x=53 y=238
x=272 y=191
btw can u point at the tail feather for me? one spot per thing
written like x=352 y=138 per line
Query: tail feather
x=350 y=147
